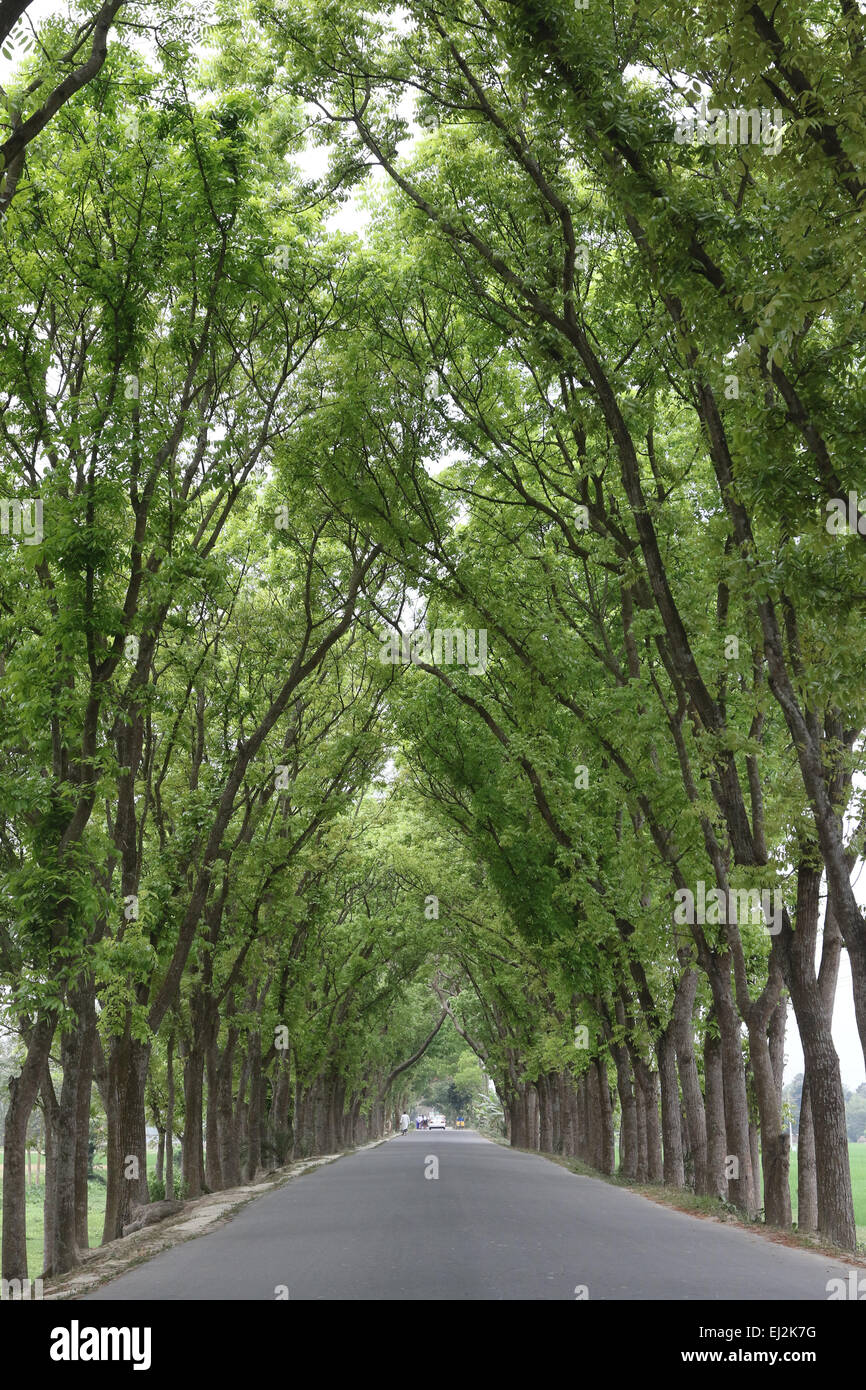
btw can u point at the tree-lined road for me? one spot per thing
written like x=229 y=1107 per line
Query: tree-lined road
x=495 y=1224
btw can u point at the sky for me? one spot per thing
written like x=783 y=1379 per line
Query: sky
x=352 y=216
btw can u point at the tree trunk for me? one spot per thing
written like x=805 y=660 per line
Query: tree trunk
x=583 y=1118
x=641 y=1121
x=532 y=1115
x=63 y=1254
x=754 y=1153
x=545 y=1114
x=193 y=1137
x=649 y=1085
x=715 y=1115
x=774 y=1138
x=127 y=1148
x=230 y=1161
x=281 y=1136
x=628 y=1138
x=608 y=1140
x=50 y=1108
x=169 y=1116
x=693 y=1101
x=254 y=1115
x=213 y=1145
x=835 y=1201
x=82 y=1121
x=812 y=1000
x=672 y=1139
x=23 y=1090
x=741 y=1190
x=807 y=1174
x=240 y=1110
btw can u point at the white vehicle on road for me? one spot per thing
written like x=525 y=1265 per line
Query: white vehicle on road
x=437 y=1121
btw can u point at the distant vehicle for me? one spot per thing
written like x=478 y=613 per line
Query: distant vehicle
x=461 y=1123
x=437 y=1121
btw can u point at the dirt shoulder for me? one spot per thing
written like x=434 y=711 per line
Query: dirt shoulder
x=708 y=1209
x=197 y=1218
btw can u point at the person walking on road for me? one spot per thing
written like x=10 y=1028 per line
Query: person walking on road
x=404 y=1122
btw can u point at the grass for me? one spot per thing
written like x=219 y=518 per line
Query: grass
x=95 y=1210
x=689 y=1201
x=857 y=1160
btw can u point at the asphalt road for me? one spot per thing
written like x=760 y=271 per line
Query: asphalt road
x=494 y=1224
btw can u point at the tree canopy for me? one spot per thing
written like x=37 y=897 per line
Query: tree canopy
x=431 y=652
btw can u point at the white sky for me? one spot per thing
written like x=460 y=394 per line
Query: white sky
x=353 y=217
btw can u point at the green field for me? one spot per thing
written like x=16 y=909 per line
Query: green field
x=95 y=1210
x=857 y=1159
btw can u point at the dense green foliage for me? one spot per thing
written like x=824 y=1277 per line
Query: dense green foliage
x=411 y=621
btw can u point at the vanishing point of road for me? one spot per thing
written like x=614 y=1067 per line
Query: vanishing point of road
x=494 y=1224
